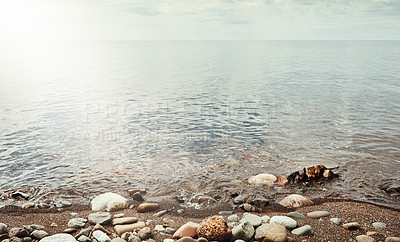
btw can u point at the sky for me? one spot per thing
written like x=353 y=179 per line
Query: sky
x=90 y=20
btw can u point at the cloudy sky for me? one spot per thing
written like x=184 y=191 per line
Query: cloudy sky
x=199 y=19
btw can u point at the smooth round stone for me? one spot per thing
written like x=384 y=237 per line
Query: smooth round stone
x=187 y=230
x=233 y=218
x=392 y=239
x=124 y=220
x=287 y=222
x=39 y=234
x=3 y=228
x=265 y=219
x=318 y=214
x=145 y=233
x=276 y=232
x=69 y=230
x=169 y=230
x=109 y=201
x=252 y=219
x=159 y=228
x=99 y=218
x=59 y=238
x=186 y=239
x=118 y=240
x=304 y=230
x=77 y=223
x=168 y=240
x=336 y=221
x=364 y=238
x=261 y=231
x=295 y=201
x=119 y=215
x=84 y=238
x=379 y=225
x=239 y=199
x=296 y=215
x=147 y=207
x=101 y=236
x=351 y=226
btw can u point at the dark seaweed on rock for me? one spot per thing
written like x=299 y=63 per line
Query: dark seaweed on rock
x=312 y=174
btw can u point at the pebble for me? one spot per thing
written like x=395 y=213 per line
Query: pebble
x=318 y=214
x=119 y=215
x=99 y=218
x=84 y=238
x=252 y=219
x=39 y=234
x=118 y=240
x=244 y=231
x=69 y=230
x=145 y=233
x=169 y=230
x=122 y=228
x=100 y=236
x=109 y=201
x=147 y=207
x=18 y=232
x=364 y=238
x=263 y=179
x=85 y=232
x=201 y=239
x=59 y=238
x=168 y=240
x=372 y=233
x=233 y=218
x=351 y=226
x=159 y=228
x=73 y=214
x=63 y=203
x=3 y=228
x=248 y=207
x=28 y=205
x=180 y=211
x=265 y=219
x=131 y=238
x=379 y=225
x=186 y=239
x=77 y=223
x=126 y=220
x=225 y=212
x=295 y=201
x=287 y=222
x=160 y=213
x=239 y=199
x=392 y=239
x=188 y=229
x=261 y=231
x=336 y=221
x=276 y=232
x=296 y=215
x=137 y=196
x=304 y=230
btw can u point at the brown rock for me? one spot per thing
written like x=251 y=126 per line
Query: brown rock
x=160 y=213
x=214 y=228
x=364 y=238
x=295 y=201
x=275 y=233
x=351 y=226
x=372 y=233
x=283 y=181
x=126 y=220
x=147 y=207
x=263 y=179
x=120 y=229
x=189 y=229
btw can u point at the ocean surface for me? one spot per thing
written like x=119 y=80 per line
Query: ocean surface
x=188 y=118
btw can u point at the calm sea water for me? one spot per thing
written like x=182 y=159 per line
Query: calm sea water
x=185 y=118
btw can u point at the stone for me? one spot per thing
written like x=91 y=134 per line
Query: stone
x=372 y=233
x=85 y=232
x=122 y=228
x=392 y=239
x=69 y=230
x=132 y=238
x=244 y=231
x=137 y=196
x=225 y=212
x=126 y=220
x=295 y=201
x=239 y=199
x=84 y=238
x=77 y=223
x=233 y=218
x=296 y=215
x=13 y=239
x=304 y=230
x=351 y=226
x=186 y=239
x=283 y=181
x=318 y=214
x=336 y=221
x=214 y=228
x=160 y=213
x=169 y=230
x=287 y=222
x=100 y=236
x=201 y=239
x=59 y=238
x=261 y=231
x=147 y=207
x=364 y=238
x=118 y=240
x=28 y=205
x=252 y=219
x=145 y=233
x=189 y=229
x=19 y=195
x=379 y=225
x=119 y=215
x=39 y=234
x=248 y=207
x=26 y=239
x=168 y=240
x=63 y=203
x=275 y=232
x=263 y=179
x=265 y=219
x=159 y=228
x=18 y=232
x=99 y=218
x=109 y=201
x=3 y=228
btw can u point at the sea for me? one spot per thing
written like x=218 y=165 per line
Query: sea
x=184 y=119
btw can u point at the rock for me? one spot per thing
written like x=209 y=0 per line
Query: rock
x=248 y=207
x=214 y=228
x=145 y=233
x=109 y=201
x=159 y=228
x=295 y=201
x=119 y=215
x=101 y=228
x=186 y=239
x=137 y=196
x=287 y=222
x=120 y=229
x=244 y=231
x=130 y=237
x=372 y=233
x=77 y=223
x=84 y=238
x=364 y=238
x=69 y=230
x=26 y=239
x=168 y=240
x=263 y=179
x=59 y=238
x=63 y=203
x=225 y=212
x=3 y=228
x=265 y=219
x=351 y=226
x=39 y=234
x=85 y=232
x=336 y=221
x=318 y=214
x=99 y=218
x=233 y=218
x=28 y=205
x=239 y=199
x=275 y=232
x=19 y=195
x=311 y=174
x=127 y=220
x=252 y=219
x=261 y=231
x=118 y=240
x=283 y=181
x=18 y=232
x=169 y=230
x=392 y=239
x=189 y=229
x=147 y=207
x=379 y=225
x=296 y=215
x=160 y=213
x=201 y=239
x=100 y=236
x=304 y=230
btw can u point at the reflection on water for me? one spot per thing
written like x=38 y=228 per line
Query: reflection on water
x=184 y=117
